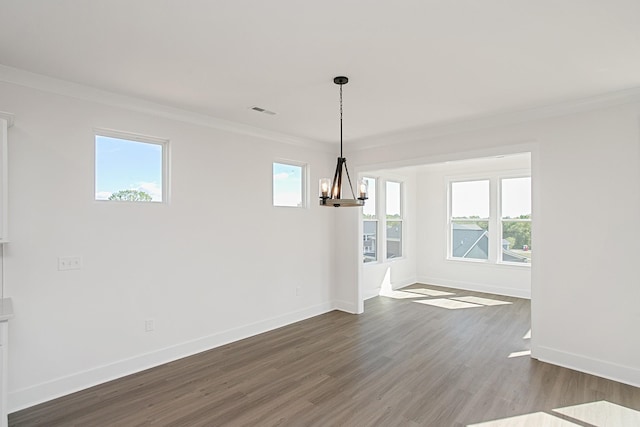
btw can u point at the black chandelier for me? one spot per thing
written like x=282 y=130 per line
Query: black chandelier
x=331 y=192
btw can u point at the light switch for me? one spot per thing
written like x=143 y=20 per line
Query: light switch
x=69 y=263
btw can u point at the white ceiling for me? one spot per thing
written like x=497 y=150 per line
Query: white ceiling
x=412 y=64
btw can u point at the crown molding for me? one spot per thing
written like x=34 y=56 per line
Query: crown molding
x=44 y=83
x=504 y=118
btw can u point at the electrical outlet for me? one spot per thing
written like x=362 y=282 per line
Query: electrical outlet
x=69 y=263
x=149 y=325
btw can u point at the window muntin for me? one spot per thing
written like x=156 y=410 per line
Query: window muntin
x=470 y=207
x=394 y=220
x=515 y=219
x=130 y=168
x=289 y=184
x=370 y=224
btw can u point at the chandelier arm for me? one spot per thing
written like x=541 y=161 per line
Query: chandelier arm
x=339 y=192
x=349 y=178
x=335 y=184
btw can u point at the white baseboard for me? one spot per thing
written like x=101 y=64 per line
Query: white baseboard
x=477 y=287
x=33 y=395
x=374 y=292
x=600 y=368
x=345 y=306
x=402 y=283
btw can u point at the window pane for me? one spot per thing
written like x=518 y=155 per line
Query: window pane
x=287 y=185
x=470 y=239
x=128 y=170
x=393 y=200
x=516 y=198
x=470 y=199
x=370 y=240
x=394 y=239
x=516 y=241
x=369 y=208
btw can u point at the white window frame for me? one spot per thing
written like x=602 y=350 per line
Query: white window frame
x=495 y=215
x=375 y=219
x=401 y=220
x=304 y=177
x=135 y=137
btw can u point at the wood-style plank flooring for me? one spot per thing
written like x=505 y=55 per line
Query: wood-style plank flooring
x=407 y=361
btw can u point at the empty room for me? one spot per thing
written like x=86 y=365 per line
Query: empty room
x=241 y=213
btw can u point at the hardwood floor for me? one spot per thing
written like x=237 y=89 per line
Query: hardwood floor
x=401 y=363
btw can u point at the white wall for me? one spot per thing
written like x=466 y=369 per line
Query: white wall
x=398 y=272
x=345 y=256
x=216 y=264
x=586 y=202
x=433 y=266
x=219 y=263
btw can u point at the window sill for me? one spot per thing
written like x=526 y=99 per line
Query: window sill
x=514 y=264
x=486 y=262
x=386 y=261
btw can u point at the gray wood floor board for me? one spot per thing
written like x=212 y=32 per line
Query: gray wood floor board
x=401 y=363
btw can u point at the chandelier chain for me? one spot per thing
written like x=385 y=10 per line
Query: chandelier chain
x=341 y=121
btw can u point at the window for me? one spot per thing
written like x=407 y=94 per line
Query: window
x=490 y=219
x=394 y=219
x=516 y=219
x=129 y=167
x=289 y=184
x=470 y=219
x=370 y=224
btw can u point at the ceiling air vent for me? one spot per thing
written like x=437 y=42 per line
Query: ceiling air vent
x=264 y=111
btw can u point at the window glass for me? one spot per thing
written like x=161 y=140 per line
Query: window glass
x=370 y=224
x=127 y=170
x=370 y=241
x=394 y=219
x=470 y=239
x=516 y=220
x=516 y=197
x=288 y=185
x=393 y=200
x=470 y=199
x=516 y=241
x=469 y=219
x=369 y=208
x=394 y=239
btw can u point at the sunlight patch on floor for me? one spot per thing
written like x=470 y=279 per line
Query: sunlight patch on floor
x=447 y=303
x=454 y=303
x=602 y=413
x=400 y=294
x=412 y=293
x=520 y=353
x=536 y=419
x=482 y=301
x=429 y=292
x=599 y=414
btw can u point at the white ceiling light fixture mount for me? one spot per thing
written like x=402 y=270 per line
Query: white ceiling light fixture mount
x=331 y=192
